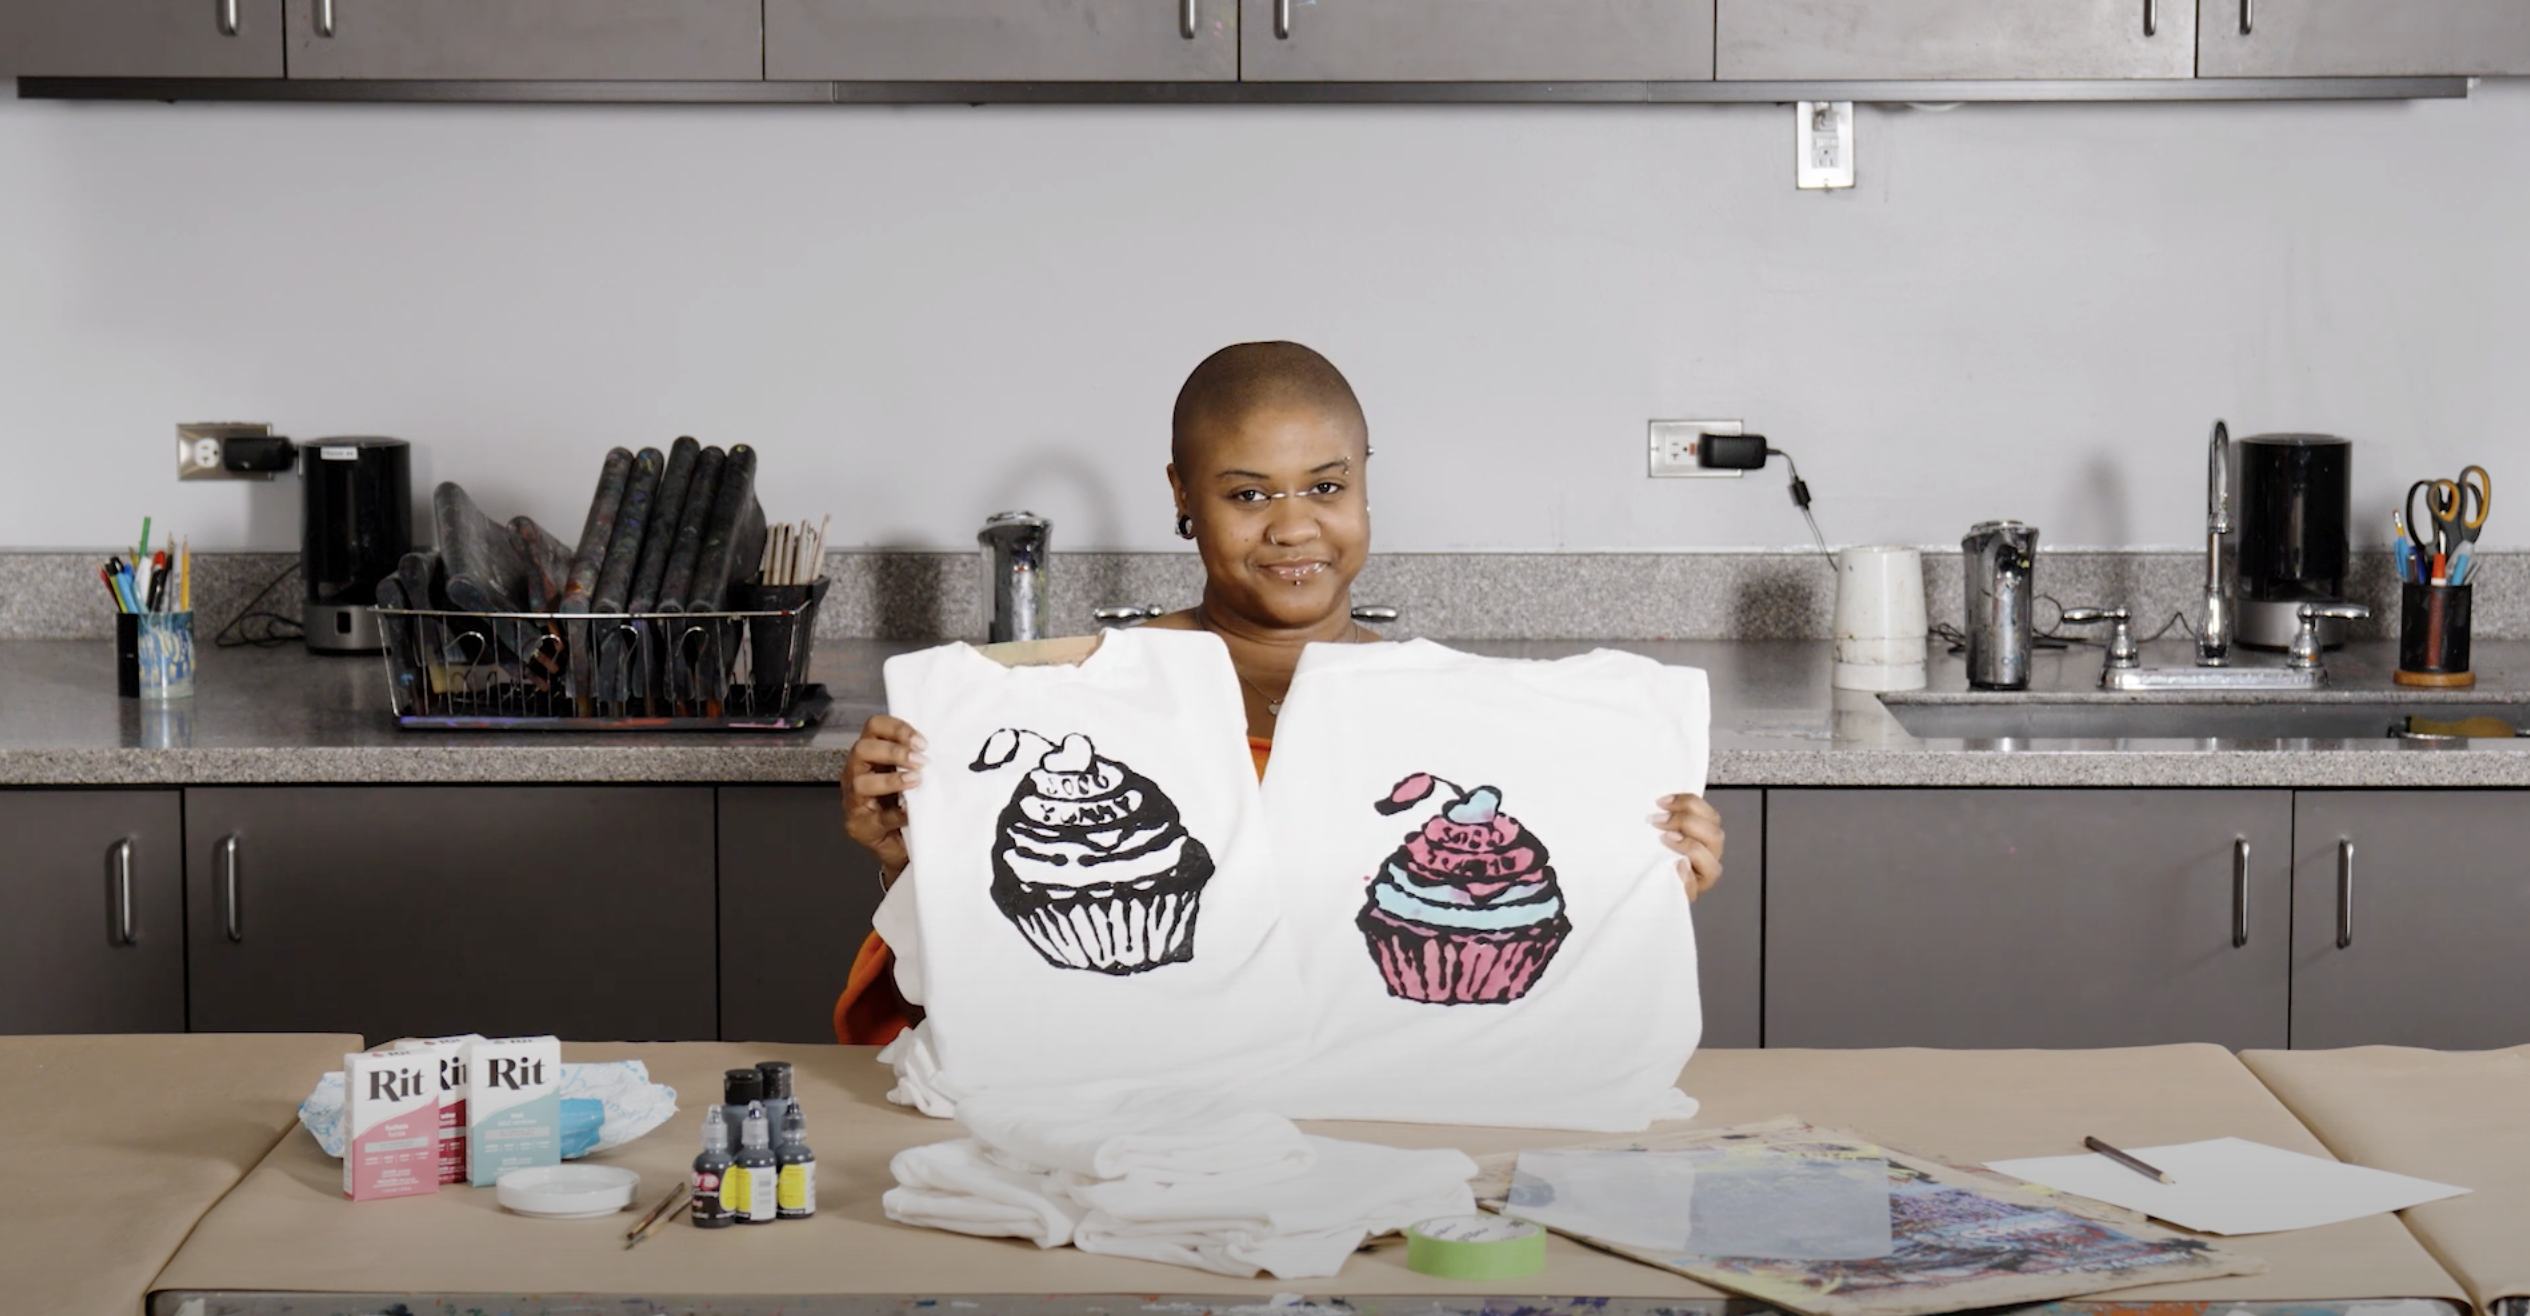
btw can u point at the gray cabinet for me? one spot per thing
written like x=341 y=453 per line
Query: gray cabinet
x=796 y=897
x=1475 y=40
x=1002 y=40
x=1878 y=40
x=569 y=40
x=141 y=38
x=91 y=912
x=1730 y=925
x=2361 y=38
x=2043 y=918
x=409 y=910
x=2411 y=919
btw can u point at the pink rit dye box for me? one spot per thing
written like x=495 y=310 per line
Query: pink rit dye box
x=391 y=1124
x=448 y=1058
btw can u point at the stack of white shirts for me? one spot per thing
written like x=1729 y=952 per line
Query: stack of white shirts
x=1170 y=1174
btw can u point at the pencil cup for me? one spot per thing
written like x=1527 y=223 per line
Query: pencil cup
x=166 y=655
x=2433 y=635
x=127 y=654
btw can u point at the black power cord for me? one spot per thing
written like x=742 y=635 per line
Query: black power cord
x=277 y=629
x=1748 y=452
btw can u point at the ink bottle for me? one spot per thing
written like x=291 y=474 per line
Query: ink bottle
x=737 y=1088
x=797 y=1198
x=777 y=1095
x=711 y=1175
x=757 y=1172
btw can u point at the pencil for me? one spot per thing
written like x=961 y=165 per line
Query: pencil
x=2128 y=1161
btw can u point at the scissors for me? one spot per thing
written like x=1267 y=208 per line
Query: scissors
x=2457 y=509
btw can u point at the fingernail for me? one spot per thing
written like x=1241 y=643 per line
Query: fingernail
x=915 y=760
x=1657 y=818
x=908 y=780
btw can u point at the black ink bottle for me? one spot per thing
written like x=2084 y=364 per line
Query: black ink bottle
x=777 y=1095
x=797 y=1199
x=757 y=1173
x=711 y=1175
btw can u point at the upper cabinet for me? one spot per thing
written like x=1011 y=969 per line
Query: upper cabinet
x=1475 y=40
x=141 y=38
x=1919 y=40
x=2362 y=38
x=562 y=40
x=1002 y=40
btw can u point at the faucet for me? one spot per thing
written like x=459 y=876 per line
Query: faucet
x=2214 y=619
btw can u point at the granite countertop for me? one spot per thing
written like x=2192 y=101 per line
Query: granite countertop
x=286 y=716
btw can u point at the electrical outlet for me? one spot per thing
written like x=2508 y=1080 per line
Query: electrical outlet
x=1824 y=140
x=199 y=448
x=1673 y=449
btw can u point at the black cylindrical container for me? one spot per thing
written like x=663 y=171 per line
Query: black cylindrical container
x=2296 y=498
x=2433 y=635
x=357 y=524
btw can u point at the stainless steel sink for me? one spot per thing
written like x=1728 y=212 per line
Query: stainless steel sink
x=2016 y=717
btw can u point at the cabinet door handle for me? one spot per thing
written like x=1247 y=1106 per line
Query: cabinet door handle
x=324 y=18
x=2239 y=892
x=2248 y=16
x=228 y=18
x=1186 y=19
x=230 y=916
x=2345 y=894
x=2152 y=18
x=122 y=853
x=1282 y=20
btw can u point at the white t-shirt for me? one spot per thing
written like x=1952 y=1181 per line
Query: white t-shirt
x=1490 y=930
x=1091 y=892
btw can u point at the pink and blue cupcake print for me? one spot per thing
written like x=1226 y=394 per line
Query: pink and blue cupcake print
x=1467 y=911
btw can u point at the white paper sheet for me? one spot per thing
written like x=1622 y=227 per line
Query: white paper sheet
x=2232 y=1186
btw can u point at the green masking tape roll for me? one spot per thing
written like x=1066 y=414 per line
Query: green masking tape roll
x=1476 y=1247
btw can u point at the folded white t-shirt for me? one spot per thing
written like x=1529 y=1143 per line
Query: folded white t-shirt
x=1490 y=930
x=1091 y=893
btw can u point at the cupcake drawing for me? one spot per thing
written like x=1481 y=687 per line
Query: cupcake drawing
x=1091 y=862
x=1466 y=911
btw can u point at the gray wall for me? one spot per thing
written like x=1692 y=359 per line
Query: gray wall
x=922 y=315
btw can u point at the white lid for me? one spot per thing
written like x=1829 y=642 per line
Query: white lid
x=568 y=1192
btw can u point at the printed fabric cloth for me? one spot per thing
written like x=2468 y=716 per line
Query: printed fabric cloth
x=1278 y=1202
x=1489 y=930
x=1090 y=891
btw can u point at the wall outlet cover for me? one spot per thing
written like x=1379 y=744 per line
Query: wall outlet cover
x=199 y=445
x=1824 y=137
x=1673 y=449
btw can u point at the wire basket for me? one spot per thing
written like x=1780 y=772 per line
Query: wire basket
x=648 y=671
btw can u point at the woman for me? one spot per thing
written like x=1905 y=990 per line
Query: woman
x=1268 y=454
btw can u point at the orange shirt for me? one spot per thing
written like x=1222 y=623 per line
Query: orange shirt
x=871 y=1012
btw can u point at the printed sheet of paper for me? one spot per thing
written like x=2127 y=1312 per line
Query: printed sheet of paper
x=1961 y=1237
x=2232 y=1186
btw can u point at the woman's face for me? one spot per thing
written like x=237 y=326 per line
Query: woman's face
x=1281 y=518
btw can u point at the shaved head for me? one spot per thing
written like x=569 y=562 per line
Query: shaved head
x=1245 y=378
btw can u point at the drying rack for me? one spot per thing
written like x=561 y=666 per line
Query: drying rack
x=614 y=671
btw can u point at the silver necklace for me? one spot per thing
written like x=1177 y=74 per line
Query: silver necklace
x=1273 y=705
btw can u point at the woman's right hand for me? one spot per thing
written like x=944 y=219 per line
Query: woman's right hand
x=885 y=762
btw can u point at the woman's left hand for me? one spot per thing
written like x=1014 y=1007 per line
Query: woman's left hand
x=1689 y=826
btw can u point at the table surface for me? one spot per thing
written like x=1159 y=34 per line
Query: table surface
x=115 y=1146
x=2457 y=1117
x=286 y=1226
